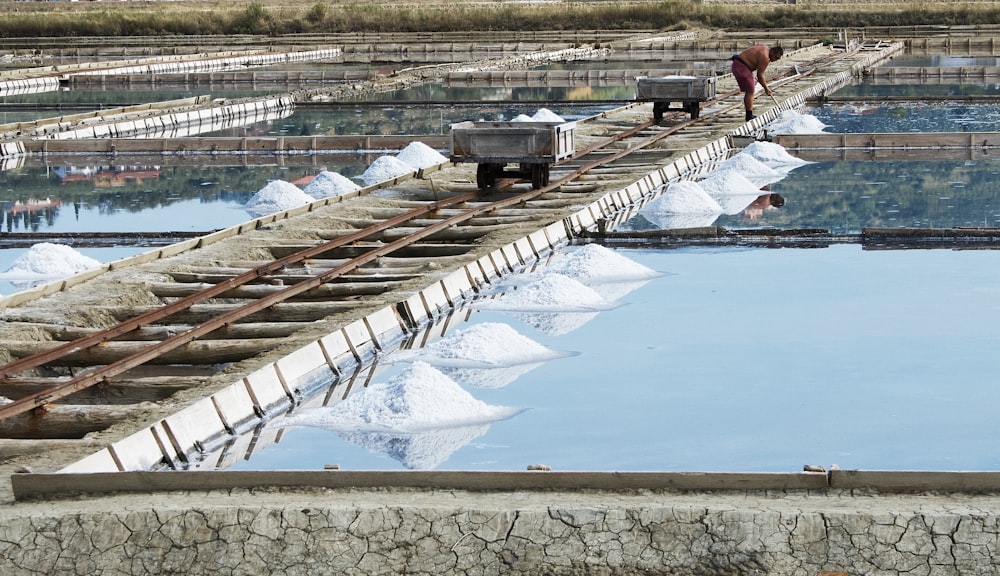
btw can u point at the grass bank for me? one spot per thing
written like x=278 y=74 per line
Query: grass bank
x=81 y=19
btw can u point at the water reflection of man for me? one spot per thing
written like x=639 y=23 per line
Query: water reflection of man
x=763 y=203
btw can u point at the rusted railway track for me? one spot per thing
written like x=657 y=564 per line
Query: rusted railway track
x=214 y=316
x=137 y=341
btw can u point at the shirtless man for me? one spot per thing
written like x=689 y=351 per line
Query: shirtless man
x=754 y=59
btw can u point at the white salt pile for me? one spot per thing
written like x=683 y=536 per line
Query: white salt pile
x=418 y=399
x=734 y=204
x=522 y=118
x=546 y=115
x=684 y=197
x=385 y=168
x=49 y=261
x=277 y=196
x=420 y=155
x=485 y=345
x=604 y=270
x=548 y=293
x=595 y=264
x=792 y=122
x=327 y=184
x=773 y=155
x=419 y=418
x=751 y=168
x=728 y=183
x=487 y=355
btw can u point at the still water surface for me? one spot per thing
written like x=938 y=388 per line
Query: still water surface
x=745 y=360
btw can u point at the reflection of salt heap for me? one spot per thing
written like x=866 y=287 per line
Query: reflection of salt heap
x=420 y=417
x=327 y=184
x=683 y=204
x=277 y=196
x=605 y=271
x=792 y=122
x=45 y=262
x=487 y=355
x=420 y=155
x=385 y=168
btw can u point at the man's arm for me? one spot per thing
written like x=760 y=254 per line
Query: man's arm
x=760 y=77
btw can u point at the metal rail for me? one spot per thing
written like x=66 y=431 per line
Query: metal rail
x=104 y=374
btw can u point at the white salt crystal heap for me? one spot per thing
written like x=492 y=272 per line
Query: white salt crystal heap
x=792 y=122
x=419 y=417
x=277 y=196
x=385 y=168
x=420 y=155
x=486 y=355
x=327 y=184
x=46 y=260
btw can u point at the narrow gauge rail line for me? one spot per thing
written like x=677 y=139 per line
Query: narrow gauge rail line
x=104 y=373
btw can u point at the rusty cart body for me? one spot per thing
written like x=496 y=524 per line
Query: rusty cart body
x=533 y=146
x=687 y=91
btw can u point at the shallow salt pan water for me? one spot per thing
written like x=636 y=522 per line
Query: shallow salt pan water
x=740 y=359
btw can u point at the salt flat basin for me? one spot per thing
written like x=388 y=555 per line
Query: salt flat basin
x=737 y=359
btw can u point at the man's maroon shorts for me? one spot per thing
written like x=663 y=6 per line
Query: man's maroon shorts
x=744 y=76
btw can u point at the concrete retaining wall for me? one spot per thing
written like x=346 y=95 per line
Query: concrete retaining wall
x=411 y=531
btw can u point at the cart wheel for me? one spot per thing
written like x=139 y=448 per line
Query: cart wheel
x=538 y=175
x=545 y=176
x=486 y=176
x=657 y=112
x=694 y=108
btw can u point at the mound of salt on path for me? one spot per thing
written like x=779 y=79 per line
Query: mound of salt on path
x=546 y=115
x=418 y=418
x=477 y=345
x=418 y=399
x=792 y=122
x=751 y=168
x=50 y=260
x=728 y=183
x=385 y=168
x=327 y=184
x=473 y=357
x=276 y=197
x=684 y=197
x=593 y=264
x=420 y=155
x=522 y=118
x=548 y=293
x=773 y=155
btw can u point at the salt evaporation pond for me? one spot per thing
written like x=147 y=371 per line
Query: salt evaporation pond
x=729 y=359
